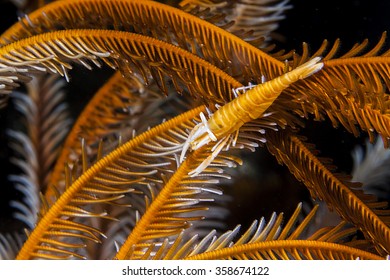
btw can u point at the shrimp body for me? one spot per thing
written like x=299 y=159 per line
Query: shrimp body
x=246 y=107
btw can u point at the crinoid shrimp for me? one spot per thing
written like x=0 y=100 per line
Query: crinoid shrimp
x=223 y=125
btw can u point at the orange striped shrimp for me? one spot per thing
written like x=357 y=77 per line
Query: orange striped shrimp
x=248 y=106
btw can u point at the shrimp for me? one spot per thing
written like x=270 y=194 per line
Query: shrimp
x=223 y=125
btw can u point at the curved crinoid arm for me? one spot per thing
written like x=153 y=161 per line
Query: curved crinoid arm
x=45 y=113
x=136 y=169
x=118 y=110
x=56 y=51
x=351 y=90
x=341 y=195
x=154 y=19
x=246 y=107
x=270 y=240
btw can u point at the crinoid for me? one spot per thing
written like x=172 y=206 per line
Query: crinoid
x=141 y=173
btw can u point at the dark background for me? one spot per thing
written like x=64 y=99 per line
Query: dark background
x=350 y=20
x=308 y=21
